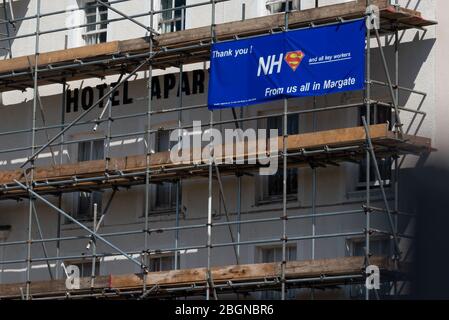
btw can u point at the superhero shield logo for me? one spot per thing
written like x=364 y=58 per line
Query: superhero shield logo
x=294 y=59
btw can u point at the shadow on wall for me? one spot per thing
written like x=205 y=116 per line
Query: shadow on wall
x=425 y=192
x=412 y=57
x=19 y=9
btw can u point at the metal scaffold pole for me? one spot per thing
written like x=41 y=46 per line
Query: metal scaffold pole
x=396 y=157
x=367 y=154
x=33 y=143
x=179 y=181
x=284 y=238
x=61 y=161
x=148 y=153
x=210 y=288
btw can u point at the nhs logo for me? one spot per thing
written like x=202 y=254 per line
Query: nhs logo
x=268 y=66
x=273 y=63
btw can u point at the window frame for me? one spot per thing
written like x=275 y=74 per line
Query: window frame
x=92 y=37
x=264 y=195
x=278 y=6
x=357 y=290
x=154 y=207
x=169 y=24
x=81 y=262
x=94 y=196
x=164 y=256
x=291 y=248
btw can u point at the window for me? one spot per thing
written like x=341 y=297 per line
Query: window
x=379 y=246
x=172 y=20
x=165 y=198
x=277 y=6
x=85 y=267
x=273 y=185
x=96 y=17
x=162 y=263
x=91 y=150
x=378 y=115
x=85 y=200
x=274 y=254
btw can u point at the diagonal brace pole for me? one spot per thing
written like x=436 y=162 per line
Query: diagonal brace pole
x=69 y=217
x=398 y=123
x=82 y=115
x=103 y=214
x=223 y=200
x=44 y=246
x=382 y=189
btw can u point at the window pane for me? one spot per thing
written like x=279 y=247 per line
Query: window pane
x=165 y=195
x=275 y=255
x=84 y=151
x=276 y=184
x=98 y=150
x=102 y=37
x=167 y=4
x=162 y=143
x=179 y=3
x=95 y=14
x=84 y=205
x=164 y=263
x=278 y=123
x=97 y=198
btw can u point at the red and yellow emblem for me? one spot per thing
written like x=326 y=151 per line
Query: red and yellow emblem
x=294 y=59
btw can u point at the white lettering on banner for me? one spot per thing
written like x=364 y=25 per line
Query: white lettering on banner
x=222 y=54
x=268 y=66
x=273 y=92
x=329 y=84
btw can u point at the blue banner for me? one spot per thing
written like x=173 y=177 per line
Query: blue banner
x=308 y=62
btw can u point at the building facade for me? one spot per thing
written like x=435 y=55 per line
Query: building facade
x=311 y=190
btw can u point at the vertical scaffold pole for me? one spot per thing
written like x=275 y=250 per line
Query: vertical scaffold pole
x=284 y=180
x=314 y=190
x=209 y=202
x=314 y=186
x=33 y=143
x=147 y=153
x=61 y=161
x=396 y=158
x=367 y=154
x=178 y=183
x=94 y=248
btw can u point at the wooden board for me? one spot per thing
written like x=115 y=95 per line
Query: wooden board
x=55 y=57
x=162 y=168
x=307 y=269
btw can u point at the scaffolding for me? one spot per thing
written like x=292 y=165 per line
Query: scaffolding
x=315 y=149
